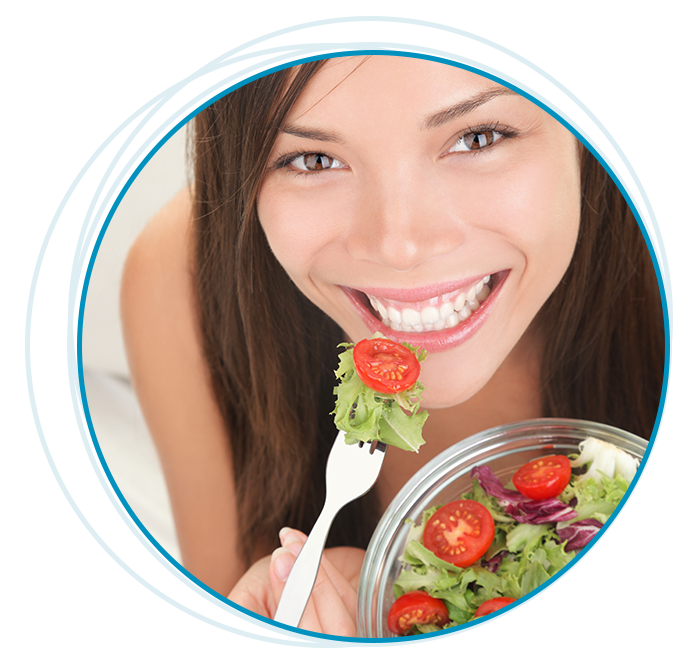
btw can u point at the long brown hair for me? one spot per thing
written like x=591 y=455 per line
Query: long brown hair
x=271 y=353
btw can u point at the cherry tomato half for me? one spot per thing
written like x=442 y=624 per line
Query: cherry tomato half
x=544 y=477
x=459 y=532
x=570 y=626
x=416 y=607
x=509 y=620
x=385 y=366
x=644 y=557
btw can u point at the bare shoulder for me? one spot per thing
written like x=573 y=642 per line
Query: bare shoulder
x=158 y=305
x=160 y=261
x=171 y=380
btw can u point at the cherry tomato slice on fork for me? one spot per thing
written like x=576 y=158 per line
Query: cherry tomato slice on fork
x=385 y=366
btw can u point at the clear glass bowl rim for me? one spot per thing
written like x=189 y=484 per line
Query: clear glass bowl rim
x=541 y=431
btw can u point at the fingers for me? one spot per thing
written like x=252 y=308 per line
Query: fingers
x=346 y=592
x=328 y=609
x=282 y=562
x=331 y=608
x=252 y=591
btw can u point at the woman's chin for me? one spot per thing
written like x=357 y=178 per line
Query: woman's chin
x=442 y=395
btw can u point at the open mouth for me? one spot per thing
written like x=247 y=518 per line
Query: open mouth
x=445 y=315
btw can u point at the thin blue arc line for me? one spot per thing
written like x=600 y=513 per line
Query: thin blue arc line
x=83 y=240
x=132 y=526
x=212 y=65
x=615 y=144
x=544 y=104
x=172 y=601
x=475 y=623
x=156 y=107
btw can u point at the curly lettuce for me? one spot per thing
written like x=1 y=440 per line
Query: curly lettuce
x=526 y=551
x=367 y=415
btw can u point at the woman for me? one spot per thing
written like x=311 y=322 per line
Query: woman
x=326 y=199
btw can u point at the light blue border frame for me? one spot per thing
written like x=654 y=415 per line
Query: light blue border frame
x=537 y=99
x=647 y=33
x=498 y=77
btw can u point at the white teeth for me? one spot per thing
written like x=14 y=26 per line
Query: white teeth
x=450 y=311
x=410 y=317
x=394 y=315
x=429 y=315
x=446 y=309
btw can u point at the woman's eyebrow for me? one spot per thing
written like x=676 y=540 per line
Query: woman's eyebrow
x=432 y=121
x=464 y=107
x=312 y=133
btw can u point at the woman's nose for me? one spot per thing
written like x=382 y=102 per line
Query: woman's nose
x=401 y=221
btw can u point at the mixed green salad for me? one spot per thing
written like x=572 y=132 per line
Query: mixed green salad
x=378 y=394
x=496 y=544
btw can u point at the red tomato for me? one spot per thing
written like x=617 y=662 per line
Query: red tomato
x=644 y=557
x=416 y=607
x=460 y=532
x=509 y=620
x=544 y=477
x=570 y=626
x=385 y=366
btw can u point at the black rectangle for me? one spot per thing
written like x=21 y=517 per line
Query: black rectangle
x=45 y=28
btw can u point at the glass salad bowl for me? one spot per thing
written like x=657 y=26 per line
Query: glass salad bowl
x=505 y=449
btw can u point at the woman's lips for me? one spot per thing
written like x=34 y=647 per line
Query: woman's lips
x=424 y=293
x=437 y=317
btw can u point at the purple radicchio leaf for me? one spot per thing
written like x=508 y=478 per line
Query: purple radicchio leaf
x=494 y=563
x=541 y=511
x=519 y=506
x=633 y=623
x=578 y=534
x=493 y=487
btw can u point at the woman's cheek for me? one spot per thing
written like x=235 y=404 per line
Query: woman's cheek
x=291 y=229
x=541 y=209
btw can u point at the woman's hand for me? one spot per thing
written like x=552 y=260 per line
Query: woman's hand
x=331 y=608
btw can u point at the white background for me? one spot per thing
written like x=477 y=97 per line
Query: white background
x=686 y=244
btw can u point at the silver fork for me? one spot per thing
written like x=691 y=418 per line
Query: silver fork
x=350 y=472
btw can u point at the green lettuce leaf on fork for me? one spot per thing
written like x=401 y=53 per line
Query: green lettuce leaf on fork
x=367 y=415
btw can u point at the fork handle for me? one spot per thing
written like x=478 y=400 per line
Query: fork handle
x=300 y=582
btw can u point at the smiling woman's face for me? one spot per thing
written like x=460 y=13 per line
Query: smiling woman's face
x=397 y=187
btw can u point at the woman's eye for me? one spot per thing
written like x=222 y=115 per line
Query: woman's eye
x=315 y=163
x=470 y=142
